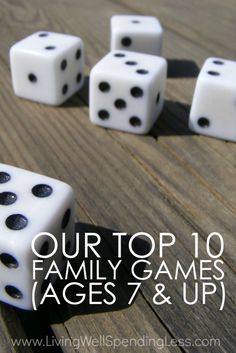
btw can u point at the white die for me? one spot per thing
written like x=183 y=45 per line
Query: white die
x=30 y=204
x=127 y=91
x=214 y=102
x=47 y=67
x=136 y=33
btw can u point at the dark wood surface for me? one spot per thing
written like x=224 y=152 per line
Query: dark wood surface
x=170 y=180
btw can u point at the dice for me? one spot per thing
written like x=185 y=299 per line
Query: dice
x=30 y=204
x=127 y=91
x=136 y=33
x=214 y=102
x=47 y=67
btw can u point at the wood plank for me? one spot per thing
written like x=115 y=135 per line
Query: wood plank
x=126 y=182
x=10 y=330
x=198 y=200
x=198 y=165
x=118 y=173
x=118 y=321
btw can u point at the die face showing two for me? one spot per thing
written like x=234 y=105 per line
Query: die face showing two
x=127 y=91
x=47 y=67
x=136 y=33
x=214 y=102
x=30 y=204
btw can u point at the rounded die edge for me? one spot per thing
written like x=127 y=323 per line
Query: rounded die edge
x=163 y=62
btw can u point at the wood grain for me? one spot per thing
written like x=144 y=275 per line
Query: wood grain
x=11 y=329
x=170 y=180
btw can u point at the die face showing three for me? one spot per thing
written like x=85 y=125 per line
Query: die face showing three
x=30 y=204
x=214 y=102
x=47 y=67
x=136 y=33
x=127 y=91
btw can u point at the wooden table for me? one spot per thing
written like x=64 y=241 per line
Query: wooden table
x=170 y=180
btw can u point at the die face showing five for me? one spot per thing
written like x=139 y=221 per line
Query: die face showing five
x=30 y=204
x=47 y=67
x=127 y=91
x=214 y=102
x=136 y=33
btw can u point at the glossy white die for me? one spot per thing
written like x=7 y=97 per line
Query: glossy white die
x=136 y=33
x=47 y=67
x=213 y=108
x=30 y=204
x=127 y=91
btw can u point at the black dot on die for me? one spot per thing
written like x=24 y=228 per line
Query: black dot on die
x=13 y=292
x=78 y=77
x=213 y=73
x=136 y=21
x=136 y=92
x=142 y=72
x=218 y=62
x=120 y=104
x=63 y=64
x=8 y=260
x=78 y=54
x=4 y=177
x=103 y=114
x=126 y=41
x=131 y=63
x=42 y=190
x=44 y=248
x=43 y=34
x=66 y=218
x=16 y=222
x=50 y=47
x=203 y=122
x=119 y=55
x=158 y=97
x=32 y=78
x=135 y=121
x=104 y=86
x=7 y=198
x=64 y=89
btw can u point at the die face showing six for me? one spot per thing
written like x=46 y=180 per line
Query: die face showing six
x=30 y=204
x=136 y=33
x=214 y=102
x=127 y=91
x=47 y=67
